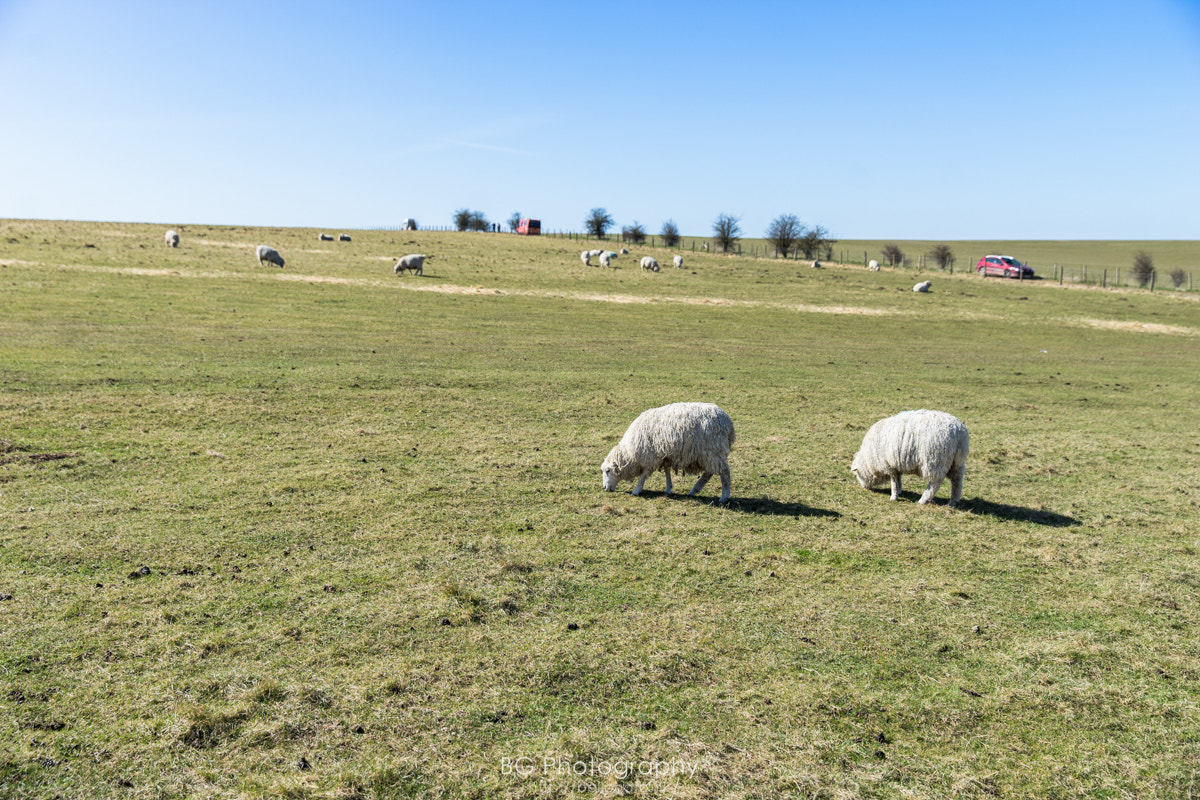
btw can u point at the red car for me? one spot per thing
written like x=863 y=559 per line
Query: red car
x=1004 y=266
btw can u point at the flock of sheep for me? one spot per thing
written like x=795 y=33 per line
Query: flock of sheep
x=269 y=255
x=695 y=439
x=606 y=257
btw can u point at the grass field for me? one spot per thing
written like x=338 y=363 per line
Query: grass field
x=325 y=531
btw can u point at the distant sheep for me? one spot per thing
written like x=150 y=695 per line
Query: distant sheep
x=342 y=237
x=931 y=444
x=410 y=224
x=678 y=261
x=624 y=251
x=816 y=264
x=269 y=254
x=413 y=263
x=324 y=237
x=171 y=238
x=704 y=246
x=649 y=264
x=873 y=265
x=923 y=286
x=586 y=258
x=690 y=438
x=607 y=257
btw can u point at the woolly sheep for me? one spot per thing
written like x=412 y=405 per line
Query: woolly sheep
x=650 y=264
x=171 y=238
x=923 y=286
x=624 y=251
x=324 y=237
x=690 y=438
x=678 y=261
x=342 y=237
x=606 y=258
x=595 y=253
x=413 y=262
x=816 y=264
x=270 y=254
x=932 y=444
x=873 y=266
x=410 y=224
x=586 y=258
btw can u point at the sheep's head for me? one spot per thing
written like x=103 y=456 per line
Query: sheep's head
x=866 y=477
x=615 y=469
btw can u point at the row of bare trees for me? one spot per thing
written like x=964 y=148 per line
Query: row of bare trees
x=786 y=233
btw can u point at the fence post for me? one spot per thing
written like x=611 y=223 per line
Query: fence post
x=1085 y=273
x=1104 y=280
x=1152 y=275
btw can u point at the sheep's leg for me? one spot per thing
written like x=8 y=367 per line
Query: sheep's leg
x=932 y=489
x=641 y=482
x=956 y=483
x=896 y=486
x=667 y=470
x=700 y=484
x=726 y=485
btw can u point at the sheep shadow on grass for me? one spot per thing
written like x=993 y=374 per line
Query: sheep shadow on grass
x=1017 y=513
x=764 y=506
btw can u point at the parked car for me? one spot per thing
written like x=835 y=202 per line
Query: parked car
x=1004 y=266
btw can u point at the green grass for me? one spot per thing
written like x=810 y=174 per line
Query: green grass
x=380 y=563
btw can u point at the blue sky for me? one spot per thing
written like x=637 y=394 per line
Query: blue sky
x=937 y=120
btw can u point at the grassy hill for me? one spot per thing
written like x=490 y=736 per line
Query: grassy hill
x=325 y=531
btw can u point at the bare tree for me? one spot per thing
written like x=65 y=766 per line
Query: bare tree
x=892 y=254
x=468 y=220
x=942 y=255
x=597 y=222
x=670 y=234
x=1178 y=276
x=513 y=222
x=727 y=230
x=635 y=233
x=784 y=233
x=1143 y=268
x=813 y=241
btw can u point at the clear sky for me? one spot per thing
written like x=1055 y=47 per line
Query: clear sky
x=1025 y=119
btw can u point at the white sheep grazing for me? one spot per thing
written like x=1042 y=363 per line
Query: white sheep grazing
x=324 y=237
x=873 y=265
x=342 y=237
x=414 y=263
x=624 y=251
x=678 y=261
x=586 y=258
x=689 y=438
x=649 y=264
x=816 y=264
x=595 y=253
x=606 y=258
x=269 y=254
x=923 y=286
x=171 y=238
x=932 y=444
